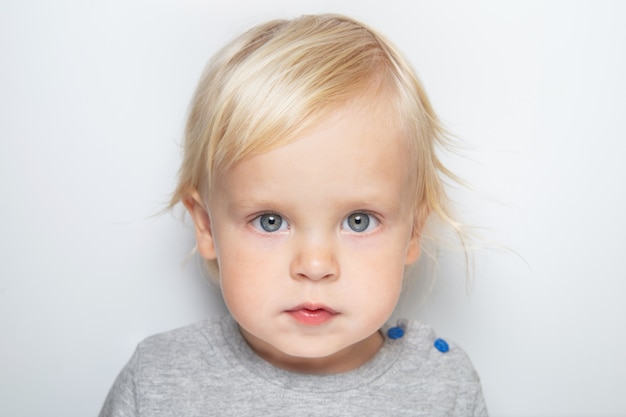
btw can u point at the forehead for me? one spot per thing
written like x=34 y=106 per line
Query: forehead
x=357 y=150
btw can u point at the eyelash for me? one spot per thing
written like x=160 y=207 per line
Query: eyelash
x=371 y=222
x=269 y=219
x=273 y=222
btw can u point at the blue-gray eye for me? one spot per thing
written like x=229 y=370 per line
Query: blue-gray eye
x=358 y=222
x=270 y=222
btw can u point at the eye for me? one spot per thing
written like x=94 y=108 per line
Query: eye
x=269 y=222
x=360 y=222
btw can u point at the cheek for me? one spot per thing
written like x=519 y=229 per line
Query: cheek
x=376 y=277
x=387 y=255
x=242 y=293
x=246 y=276
x=378 y=273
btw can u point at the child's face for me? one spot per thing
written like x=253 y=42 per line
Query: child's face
x=312 y=238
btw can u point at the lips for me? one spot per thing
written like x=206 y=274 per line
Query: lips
x=312 y=314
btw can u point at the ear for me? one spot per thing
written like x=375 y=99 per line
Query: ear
x=419 y=219
x=413 y=252
x=202 y=223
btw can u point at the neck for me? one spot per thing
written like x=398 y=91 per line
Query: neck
x=345 y=360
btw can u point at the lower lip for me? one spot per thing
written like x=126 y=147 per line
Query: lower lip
x=311 y=317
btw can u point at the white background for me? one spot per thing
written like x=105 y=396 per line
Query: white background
x=93 y=96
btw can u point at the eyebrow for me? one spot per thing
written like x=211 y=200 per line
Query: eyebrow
x=252 y=203
x=278 y=204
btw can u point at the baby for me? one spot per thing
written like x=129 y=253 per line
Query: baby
x=309 y=172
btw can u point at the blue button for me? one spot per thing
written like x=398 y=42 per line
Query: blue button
x=441 y=345
x=395 y=332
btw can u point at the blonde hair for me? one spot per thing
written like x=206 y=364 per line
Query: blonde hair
x=279 y=79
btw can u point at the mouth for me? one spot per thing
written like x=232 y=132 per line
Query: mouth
x=312 y=314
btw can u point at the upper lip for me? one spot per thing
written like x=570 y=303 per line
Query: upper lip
x=312 y=307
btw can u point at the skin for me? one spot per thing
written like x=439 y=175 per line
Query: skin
x=353 y=165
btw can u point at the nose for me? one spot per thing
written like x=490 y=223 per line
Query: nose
x=314 y=260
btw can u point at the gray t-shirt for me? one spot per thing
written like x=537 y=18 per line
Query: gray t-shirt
x=207 y=369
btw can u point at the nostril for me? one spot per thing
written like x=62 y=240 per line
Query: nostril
x=315 y=264
x=315 y=277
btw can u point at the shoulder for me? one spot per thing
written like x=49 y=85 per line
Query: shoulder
x=422 y=341
x=164 y=375
x=439 y=357
x=440 y=367
x=182 y=347
x=179 y=336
